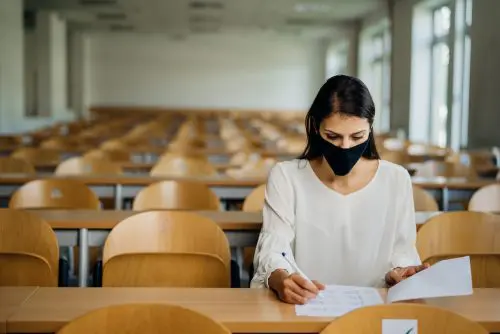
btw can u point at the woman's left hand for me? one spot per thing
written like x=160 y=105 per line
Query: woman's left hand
x=396 y=275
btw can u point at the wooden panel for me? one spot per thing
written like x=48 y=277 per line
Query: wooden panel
x=241 y=310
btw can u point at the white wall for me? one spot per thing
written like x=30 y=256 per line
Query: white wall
x=263 y=72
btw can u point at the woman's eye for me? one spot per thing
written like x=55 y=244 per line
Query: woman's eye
x=332 y=137
x=357 y=138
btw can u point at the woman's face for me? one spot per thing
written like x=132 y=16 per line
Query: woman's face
x=344 y=131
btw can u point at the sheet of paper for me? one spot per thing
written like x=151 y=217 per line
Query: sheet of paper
x=399 y=326
x=445 y=278
x=336 y=300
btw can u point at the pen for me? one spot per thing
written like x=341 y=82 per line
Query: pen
x=298 y=271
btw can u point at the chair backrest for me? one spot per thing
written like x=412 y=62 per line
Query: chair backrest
x=176 y=195
x=36 y=155
x=29 y=252
x=486 y=199
x=15 y=165
x=81 y=166
x=424 y=201
x=430 y=320
x=113 y=155
x=184 y=166
x=140 y=241
x=144 y=318
x=54 y=194
x=455 y=234
x=255 y=200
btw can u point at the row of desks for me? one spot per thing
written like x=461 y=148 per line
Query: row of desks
x=124 y=187
x=46 y=310
x=90 y=228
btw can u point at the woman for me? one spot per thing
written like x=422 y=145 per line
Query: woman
x=338 y=214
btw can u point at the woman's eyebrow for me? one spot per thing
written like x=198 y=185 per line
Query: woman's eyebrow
x=338 y=134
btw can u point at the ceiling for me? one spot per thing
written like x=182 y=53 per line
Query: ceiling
x=184 y=17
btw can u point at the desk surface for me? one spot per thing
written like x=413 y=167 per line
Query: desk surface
x=11 y=300
x=139 y=180
x=241 y=310
x=107 y=219
x=226 y=181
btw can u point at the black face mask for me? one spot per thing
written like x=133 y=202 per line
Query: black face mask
x=342 y=160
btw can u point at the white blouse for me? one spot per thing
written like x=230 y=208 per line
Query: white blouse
x=352 y=239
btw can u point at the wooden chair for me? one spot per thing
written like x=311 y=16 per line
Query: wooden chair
x=486 y=199
x=166 y=248
x=113 y=155
x=431 y=320
x=14 y=165
x=54 y=194
x=183 y=165
x=176 y=195
x=424 y=201
x=29 y=253
x=142 y=319
x=82 y=166
x=255 y=200
x=464 y=233
x=36 y=155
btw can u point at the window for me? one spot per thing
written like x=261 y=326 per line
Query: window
x=440 y=73
x=374 y=65
x=336 y=59
x=440 y=61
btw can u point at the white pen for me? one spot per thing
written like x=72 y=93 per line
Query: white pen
x=297 y=270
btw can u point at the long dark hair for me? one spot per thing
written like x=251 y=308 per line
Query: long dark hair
x=348 y=96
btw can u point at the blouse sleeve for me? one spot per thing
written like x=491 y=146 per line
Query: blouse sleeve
x=404 y=250
x=278 y=229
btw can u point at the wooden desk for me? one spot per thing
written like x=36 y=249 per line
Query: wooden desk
x=128 y=167
x=127 y=186
x=241 y=310
x=11 y=300
x=90 y=228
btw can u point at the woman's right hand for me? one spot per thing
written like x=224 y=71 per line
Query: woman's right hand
x=293 y=289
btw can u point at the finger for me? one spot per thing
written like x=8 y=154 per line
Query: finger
x=293 y=298
x=319 y=285
x=304 y=283
x=395 y=277
x=293 y=286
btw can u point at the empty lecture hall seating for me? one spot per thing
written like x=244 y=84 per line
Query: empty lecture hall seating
x=170 y=164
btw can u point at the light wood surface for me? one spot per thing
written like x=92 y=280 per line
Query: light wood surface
x=58 y=194
x=85 y=166
x=148 y=249
x=176 y=195
x=29 y=253
x=430 y=320
x=486 y=199
x=254 y=202
x=107 y=219
x=144 y=318
x=240 y=310
x=11 y=298
x=455 y=234
x=140 y=180
x=15 y=165
x=423 y=201
x=428 y=183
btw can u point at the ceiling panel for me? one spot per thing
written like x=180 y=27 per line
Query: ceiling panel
x=198 y=16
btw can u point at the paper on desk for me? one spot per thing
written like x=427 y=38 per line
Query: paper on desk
x=445 y=278
x=336 y=300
